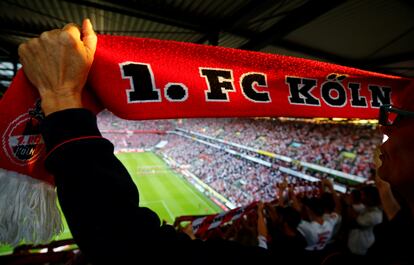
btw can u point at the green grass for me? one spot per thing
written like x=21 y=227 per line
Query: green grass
x=161 y=190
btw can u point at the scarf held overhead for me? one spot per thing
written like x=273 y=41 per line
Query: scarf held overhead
x=151 y=79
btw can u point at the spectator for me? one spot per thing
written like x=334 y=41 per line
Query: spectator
x=317 y=226
x=397 y=153
x=97 y=195
x=396 y=183
x=286 y=243
x=391 y=236
x=361 y=236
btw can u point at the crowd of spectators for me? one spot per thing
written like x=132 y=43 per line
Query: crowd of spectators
x=130 y=135
x=322 y=227
x=132 y=141
x=239 y=180
x=344 y=147
x=108 y=121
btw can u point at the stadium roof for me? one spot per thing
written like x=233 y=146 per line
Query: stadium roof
x=376 y=35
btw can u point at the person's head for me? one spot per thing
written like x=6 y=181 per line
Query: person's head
x=356 y=196
x=397 y=153
x=291 y=217
x=328 y=202
x=370 y=196
x=314 y=206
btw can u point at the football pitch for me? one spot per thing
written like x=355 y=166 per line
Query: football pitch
x=160 y=189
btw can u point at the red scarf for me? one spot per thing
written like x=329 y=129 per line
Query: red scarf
x=153 y=79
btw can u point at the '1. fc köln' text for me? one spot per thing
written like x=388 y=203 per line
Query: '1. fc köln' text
x=254 y=87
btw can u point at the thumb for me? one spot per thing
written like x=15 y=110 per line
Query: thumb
x=89 y=37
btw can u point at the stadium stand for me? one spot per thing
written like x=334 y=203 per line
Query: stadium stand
x=243 y=180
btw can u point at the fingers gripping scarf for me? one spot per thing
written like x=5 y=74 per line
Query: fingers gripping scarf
x=151 y=79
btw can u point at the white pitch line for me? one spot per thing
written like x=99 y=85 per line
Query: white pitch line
x=168 y=210
x=147 y=203
x=198 y=195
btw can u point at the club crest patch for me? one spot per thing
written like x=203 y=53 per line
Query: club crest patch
x=22 y=141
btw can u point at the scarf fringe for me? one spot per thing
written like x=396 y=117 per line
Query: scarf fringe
x=28 y=210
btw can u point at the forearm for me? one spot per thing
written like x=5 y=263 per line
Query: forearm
x=97 y=195
x=389 y=204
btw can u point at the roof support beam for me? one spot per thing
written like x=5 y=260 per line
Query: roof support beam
x=378 y=64
x=296 y=19
x=312 y=52
x=239 y=18
x=146 y=12
x=246 y=13
x=10 y=27
x=402 y=57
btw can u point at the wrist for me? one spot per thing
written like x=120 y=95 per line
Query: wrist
x=51 y=104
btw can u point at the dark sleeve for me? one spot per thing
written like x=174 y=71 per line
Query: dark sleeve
x=96 y=193
x=100 y=202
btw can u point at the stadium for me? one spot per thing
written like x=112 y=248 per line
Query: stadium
x=212 y=176
x=199 y=167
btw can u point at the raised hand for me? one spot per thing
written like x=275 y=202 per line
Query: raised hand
x=57 y=64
